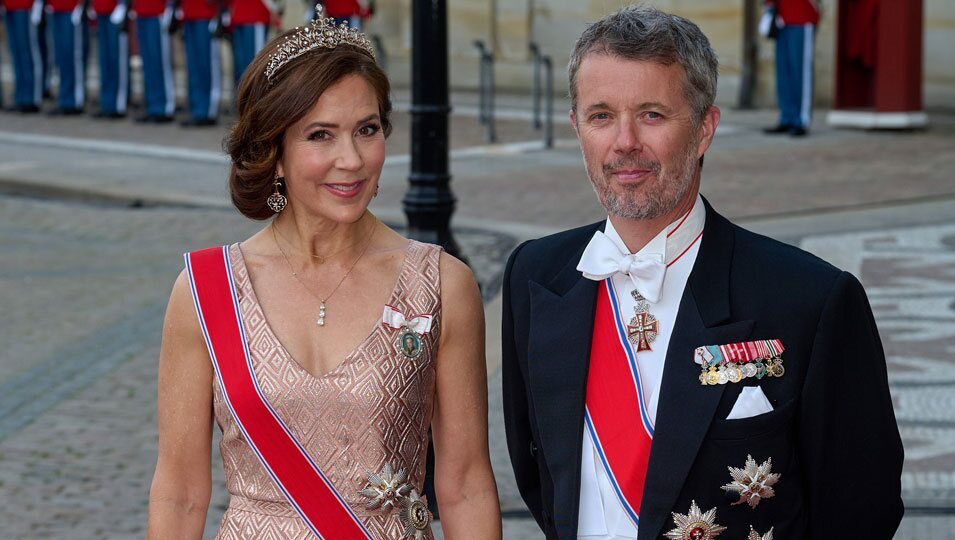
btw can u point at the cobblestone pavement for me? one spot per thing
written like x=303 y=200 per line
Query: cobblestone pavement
x=83 y=285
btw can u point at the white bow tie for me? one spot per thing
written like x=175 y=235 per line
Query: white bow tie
x=602 y=259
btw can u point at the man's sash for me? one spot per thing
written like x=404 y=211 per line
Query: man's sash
x=289 y=465
x=616 y=415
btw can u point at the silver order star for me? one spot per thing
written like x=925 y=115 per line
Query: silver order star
x=753 y=483
x=753 y=535
x=695 y=525
x=385 y=489
x=414 y=515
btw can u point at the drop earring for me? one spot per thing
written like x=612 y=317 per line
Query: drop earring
x=276 y=200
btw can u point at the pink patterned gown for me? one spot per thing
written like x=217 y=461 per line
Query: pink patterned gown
x=371 y=412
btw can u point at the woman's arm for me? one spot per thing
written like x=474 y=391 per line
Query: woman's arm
x=464 y=482
x=182 y=483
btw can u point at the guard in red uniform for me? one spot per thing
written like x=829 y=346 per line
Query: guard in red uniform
x=153 y=18
x=69 y=50
x=351 y=12
x=250 y=27
x=112 y=29
x=795 y=42
x=22 y=19
x=201 y=30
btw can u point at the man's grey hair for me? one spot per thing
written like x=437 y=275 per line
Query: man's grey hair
x=648 y=34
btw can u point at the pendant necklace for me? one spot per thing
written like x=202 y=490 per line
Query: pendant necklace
x=321 y=308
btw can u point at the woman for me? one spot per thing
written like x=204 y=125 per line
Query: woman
x=324 y=422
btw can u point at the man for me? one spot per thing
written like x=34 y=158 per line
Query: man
x=795 y=40
x=667 y=373
x=354 y=13
x=250 y=27
x=113 y=41
x=69 y=44
x=22 y=20
x=202 y=28
x=153 y=22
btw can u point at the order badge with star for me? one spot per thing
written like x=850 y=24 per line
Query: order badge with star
x=695 y=525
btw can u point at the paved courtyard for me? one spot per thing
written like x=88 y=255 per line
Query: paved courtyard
x=94 y=217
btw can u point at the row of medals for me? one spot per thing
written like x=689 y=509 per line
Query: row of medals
x=730 y=372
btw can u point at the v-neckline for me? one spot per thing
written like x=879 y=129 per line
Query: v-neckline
x=350 y=356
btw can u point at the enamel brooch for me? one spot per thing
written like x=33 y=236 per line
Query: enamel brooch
x=753 y=535
x=411 y=330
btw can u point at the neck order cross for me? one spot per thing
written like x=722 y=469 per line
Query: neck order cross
x=643 y=327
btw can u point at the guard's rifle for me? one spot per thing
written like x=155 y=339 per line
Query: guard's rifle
x=124 y=25
x=175 y=21
x=222 y=15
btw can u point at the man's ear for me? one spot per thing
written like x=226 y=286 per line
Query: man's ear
x=708 y=129
x=573 y=122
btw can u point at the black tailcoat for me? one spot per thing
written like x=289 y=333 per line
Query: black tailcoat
x=832 y=434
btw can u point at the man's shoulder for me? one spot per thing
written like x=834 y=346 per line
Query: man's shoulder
x=770 y=260
x=551 y=253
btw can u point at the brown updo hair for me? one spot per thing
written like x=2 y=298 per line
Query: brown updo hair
x=267 y=110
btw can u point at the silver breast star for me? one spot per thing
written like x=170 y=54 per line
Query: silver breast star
x=753 y=483
x=385 y=489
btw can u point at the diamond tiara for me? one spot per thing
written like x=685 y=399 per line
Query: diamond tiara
x=321 y=33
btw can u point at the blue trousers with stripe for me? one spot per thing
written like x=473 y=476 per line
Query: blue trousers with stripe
x=27 y=59
x=113 y=66
x=204 y=68
x=69 y=47
x=154 y=49
x=247 y=41
x=794 y=74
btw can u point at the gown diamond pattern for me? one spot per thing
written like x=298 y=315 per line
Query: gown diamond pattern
x=372 y=410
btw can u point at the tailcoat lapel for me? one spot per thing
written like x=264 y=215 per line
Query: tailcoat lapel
x=686 y=408
x=561 y=327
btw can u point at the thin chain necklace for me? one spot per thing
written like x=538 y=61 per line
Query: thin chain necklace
x=321 y=309
x=321 y=258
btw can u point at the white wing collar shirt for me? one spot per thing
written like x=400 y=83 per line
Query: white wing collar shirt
x=659 y=272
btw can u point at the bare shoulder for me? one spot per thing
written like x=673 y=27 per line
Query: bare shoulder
x=182 y=323
x=457 y=279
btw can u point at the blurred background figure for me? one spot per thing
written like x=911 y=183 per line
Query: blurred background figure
x=202 y=30
x=70 y=32
x=250 y=26
x=154 y=20
x=352 y=12
x=22 y=19
x=310 y=9
x=112 y=30
x=795 y=46
x=45 y=39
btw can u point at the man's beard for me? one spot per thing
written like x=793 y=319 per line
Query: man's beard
x=644 y=201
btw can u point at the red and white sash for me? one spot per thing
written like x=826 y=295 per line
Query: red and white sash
x=616 y=413
x=307 y=489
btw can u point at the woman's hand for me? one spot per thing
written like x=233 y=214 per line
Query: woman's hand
x=464 y=481
x=182 y=483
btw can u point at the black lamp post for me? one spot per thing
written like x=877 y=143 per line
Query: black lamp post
x=429 y=202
